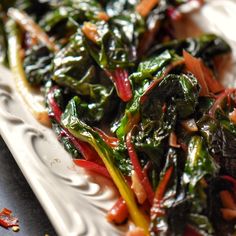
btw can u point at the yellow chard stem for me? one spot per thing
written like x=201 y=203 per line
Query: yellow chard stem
x=105 y=153
x=30 y=95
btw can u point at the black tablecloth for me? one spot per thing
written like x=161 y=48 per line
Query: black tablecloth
x=16 y=195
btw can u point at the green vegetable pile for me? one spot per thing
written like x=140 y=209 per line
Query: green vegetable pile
x=130 y=101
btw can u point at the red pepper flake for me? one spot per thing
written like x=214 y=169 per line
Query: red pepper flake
x=6 y=219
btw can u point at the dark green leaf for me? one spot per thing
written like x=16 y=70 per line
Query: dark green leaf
x=68 y=145
x=67 y=15
x=221 y=139
x=199 y=163
x=111 y=50
x=37 y=64
x=153 y=131
x=75 y=69
x=141 y=80
x=152 y=67
x=206 y=46
x=70 y=119
x=174 y=204
x=182 y=90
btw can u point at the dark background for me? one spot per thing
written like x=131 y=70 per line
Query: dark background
x=16 y=195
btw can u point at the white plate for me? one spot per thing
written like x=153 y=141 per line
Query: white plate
x=76 y=203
